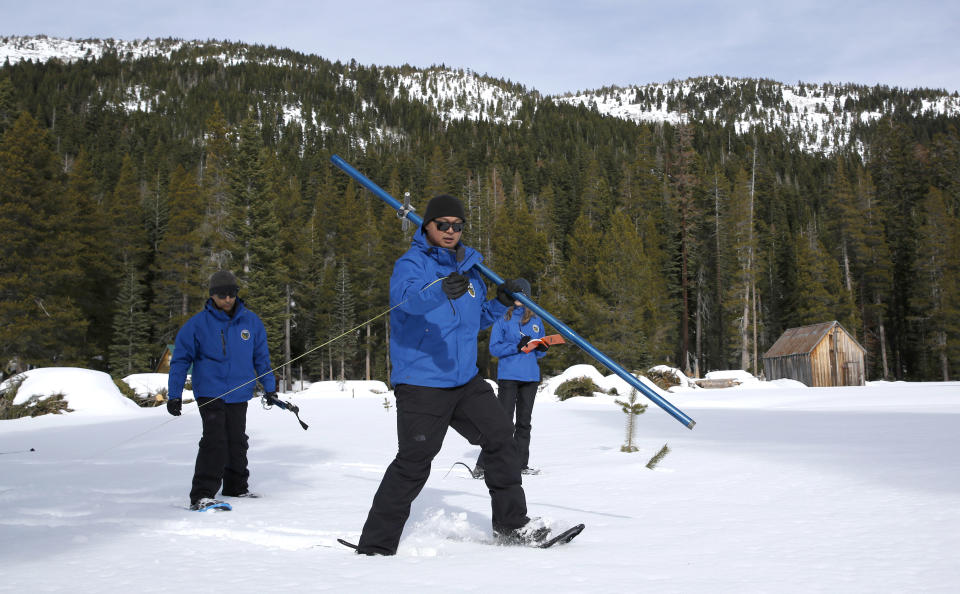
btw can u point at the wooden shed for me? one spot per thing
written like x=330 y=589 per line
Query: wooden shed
x=818 y=355
x=163 y=363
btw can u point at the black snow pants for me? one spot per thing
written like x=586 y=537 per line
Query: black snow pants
x=423 y=415
x=222 y=456
x=517 y=397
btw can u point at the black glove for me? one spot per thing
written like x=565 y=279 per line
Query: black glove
x=542 y=347
x=510 y=286
x=523 y=342
x=174 y=405
x=455 y=285
x=272 y=398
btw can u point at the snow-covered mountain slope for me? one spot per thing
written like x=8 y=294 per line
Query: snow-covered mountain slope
x=817 y=117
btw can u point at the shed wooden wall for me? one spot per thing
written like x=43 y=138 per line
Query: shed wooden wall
x=837 y=360
x=795 y=367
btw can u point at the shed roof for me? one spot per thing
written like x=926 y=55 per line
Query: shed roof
x=803 y=339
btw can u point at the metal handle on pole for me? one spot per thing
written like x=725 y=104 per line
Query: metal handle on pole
x=565 y=330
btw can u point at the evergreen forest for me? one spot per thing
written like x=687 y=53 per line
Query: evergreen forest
x=125 y=183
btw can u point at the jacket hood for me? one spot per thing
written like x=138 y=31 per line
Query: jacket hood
x=466 y=257
x=211 y=307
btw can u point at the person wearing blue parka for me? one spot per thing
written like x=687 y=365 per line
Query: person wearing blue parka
x=439 y=307
x=226 y=344
x=518 y=373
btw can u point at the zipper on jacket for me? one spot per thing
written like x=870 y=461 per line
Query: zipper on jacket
x=223 y=341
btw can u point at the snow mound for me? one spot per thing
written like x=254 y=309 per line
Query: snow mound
x=84 y=390
x=737 y=375
x=607 y=384
x=549 y=386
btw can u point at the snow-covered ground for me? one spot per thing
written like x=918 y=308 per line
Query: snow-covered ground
x=778 y=488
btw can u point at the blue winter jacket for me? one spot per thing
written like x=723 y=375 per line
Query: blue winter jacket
x=504 y=338
x=433 y=340
x=226 y=352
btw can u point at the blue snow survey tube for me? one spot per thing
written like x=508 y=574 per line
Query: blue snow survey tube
x=565 y=330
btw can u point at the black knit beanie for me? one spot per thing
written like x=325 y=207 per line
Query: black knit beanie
x=443 y=206
x=222 y=282
x=523 y=285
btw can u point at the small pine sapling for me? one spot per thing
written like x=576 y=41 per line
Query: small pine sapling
x=631 y=408
x=659 y=456
x=386 y=403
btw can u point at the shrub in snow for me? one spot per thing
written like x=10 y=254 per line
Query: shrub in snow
x=666 y=377
x=146 y=389
x=34 y=406
x=658 y=456
x=578 y=386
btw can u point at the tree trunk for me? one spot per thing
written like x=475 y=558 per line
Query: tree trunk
x=368 y=355
x=745 y=330
x=883 y=347
x=287 y=372
x=755 y=324
x=942 y=349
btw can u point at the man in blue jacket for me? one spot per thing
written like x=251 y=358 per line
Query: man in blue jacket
x=226 y=344
x=440 y=307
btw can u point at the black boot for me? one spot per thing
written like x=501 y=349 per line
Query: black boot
x=532 y=533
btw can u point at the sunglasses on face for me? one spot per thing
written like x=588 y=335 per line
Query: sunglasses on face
x=444 y=225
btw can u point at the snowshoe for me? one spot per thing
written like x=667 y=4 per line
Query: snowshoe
x=562 y=538
x=528 y=470
x=360 y=551
x=206 y=504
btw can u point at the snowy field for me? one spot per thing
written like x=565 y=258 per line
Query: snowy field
x=778 y=488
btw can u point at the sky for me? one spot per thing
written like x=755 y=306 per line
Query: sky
x=778 y=488
x=557 y=46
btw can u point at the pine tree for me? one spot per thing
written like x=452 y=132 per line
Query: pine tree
x=93 y=255
x=740 y=223
x=519 y=249
x=631 y=303
x=938 y=260
x=684 y=183
x=266 y=290
x=897 y=176
x=582 y=306
x=123 y=212
x=436 y=174
x=7 y=107
x=294 y=244
x=723 y=258
x=875 y=279
x=642 y=203
x=818 y=283
x=130 y=350
x=345 y=320
x=180 y=275
x=596 y=201
x=39 y=245
x=218 y=153
x=247 y=188
x=632 y=409
x=156 y=207
x=845 y=225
